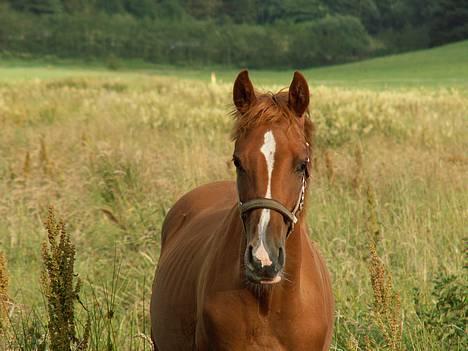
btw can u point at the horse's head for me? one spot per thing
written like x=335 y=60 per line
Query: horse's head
x=272 y=137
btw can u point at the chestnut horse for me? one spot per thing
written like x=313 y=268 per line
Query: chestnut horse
x=237 y=269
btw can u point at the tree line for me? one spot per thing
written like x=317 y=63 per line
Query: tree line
x=261 y=33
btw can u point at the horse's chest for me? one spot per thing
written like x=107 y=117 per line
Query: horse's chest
x=241 y=333
x=236 y=324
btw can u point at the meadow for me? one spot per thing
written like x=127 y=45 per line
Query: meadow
x=111 y=152
x=436 y=68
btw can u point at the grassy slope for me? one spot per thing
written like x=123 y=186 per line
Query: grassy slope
x=446 y=65
x=438 y=67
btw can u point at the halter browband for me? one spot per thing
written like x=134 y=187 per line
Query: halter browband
x=271 y=204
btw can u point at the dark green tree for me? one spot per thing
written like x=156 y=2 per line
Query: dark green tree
x=141 y=8
x=449 y=22
x=303 y=10
x=37 y=7
x=202 y=9
x=171 y=10
x=269 y=11
x=365 y=10
x=110 y=7
x=240 y=11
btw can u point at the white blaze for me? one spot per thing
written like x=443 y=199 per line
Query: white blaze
x=268 y=150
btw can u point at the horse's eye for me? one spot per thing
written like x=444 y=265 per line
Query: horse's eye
x=302 y=167
x=237 y=163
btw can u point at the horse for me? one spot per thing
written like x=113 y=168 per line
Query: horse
x=237 y=269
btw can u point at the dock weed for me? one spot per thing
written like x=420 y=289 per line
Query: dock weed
x=61 y=287
x=386 y=311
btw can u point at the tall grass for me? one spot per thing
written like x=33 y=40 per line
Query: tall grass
x=112 y=155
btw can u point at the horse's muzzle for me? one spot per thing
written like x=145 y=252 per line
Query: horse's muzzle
x=261 y=272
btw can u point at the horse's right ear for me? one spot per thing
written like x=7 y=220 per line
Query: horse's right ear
x=298 y=99
x=243 y=92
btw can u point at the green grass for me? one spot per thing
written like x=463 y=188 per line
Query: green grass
x=445 y=66
x=112 y=151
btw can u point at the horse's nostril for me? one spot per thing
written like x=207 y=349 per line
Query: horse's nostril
x=281 y=256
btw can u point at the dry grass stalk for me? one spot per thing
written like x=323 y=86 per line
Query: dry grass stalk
x=61 y=291
x=27 y=165
x=369 y=345
x=315 y=163
x=4 y=280
x=329 y=166
x=4 y=299
x=84 y=139
x=113 y=218
x=43 y=157
x=359 y=169
x=386 y=309
x=352 y=344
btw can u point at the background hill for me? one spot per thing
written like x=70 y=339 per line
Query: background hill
x=258 y=34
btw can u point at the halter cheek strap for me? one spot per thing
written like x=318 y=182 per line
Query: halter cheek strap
x=271 y=204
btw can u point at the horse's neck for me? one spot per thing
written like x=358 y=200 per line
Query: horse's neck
x=294 y=251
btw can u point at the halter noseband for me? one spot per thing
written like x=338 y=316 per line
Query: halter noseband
x=271 y=204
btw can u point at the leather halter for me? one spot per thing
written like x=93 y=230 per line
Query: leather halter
x=271 y=204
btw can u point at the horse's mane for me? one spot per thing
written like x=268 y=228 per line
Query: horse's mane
x=270 y=108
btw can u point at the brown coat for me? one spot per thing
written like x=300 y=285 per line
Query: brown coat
x=200 y=300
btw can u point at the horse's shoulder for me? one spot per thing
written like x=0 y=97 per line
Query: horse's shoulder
x=199 y=202
x=322 y=281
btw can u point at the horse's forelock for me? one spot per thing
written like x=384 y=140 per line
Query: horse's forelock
x=270 y=108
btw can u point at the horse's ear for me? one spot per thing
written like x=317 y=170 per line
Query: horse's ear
x=243 y=92
x=298 y=99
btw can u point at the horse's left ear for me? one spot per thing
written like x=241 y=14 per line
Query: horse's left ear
x=298 y=99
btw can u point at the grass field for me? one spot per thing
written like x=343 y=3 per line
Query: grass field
x=445 y=66
x=112 y=151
